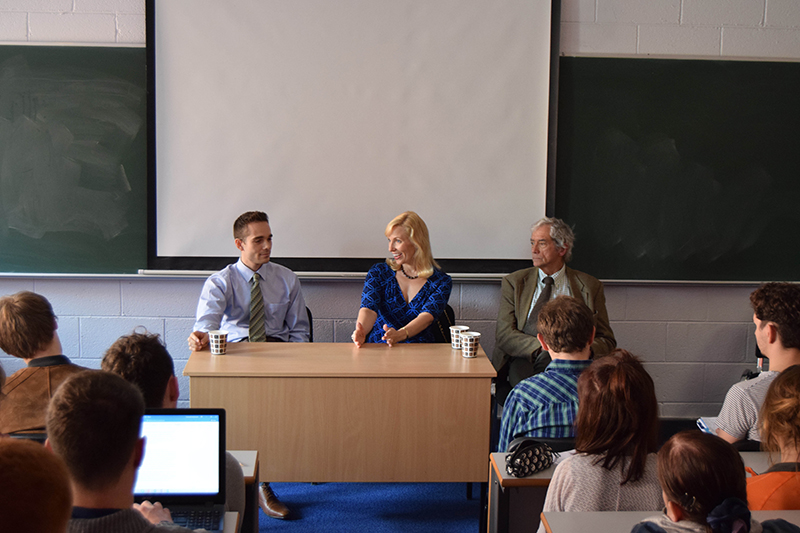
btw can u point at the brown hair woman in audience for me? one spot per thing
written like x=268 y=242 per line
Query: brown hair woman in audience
x=403 y=296
x=614 y=468
x=704 y=489
x=779 y=487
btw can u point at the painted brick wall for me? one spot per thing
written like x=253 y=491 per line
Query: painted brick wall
x=695 y=339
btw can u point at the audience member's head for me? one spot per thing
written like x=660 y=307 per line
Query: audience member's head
x=142 y=359
x=27 y=324
x=35 y=494
x=561 y=233
x=618 y=413
x=780 y=413
x=779 y=304
x=93 y=424
x=566 y=325
x=699 y=474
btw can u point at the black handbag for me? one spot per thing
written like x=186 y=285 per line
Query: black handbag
x=526 y=456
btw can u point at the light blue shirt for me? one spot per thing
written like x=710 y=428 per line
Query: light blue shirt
x=560 y=286
x=225 y=303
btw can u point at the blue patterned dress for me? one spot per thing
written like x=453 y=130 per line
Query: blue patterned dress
x=382 y=294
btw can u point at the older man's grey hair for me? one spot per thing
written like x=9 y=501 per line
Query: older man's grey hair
x=560 y=232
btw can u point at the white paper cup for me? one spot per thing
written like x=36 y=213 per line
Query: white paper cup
x=470 y=340
x=455 y=336
x=218 y=341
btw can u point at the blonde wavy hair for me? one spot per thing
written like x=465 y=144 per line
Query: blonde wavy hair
x=424 y=263
x=780 y=412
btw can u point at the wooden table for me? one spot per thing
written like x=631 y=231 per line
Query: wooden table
x=334 y=412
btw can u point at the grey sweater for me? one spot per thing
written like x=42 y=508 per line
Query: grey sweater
x=123 y=521
x=580 y=485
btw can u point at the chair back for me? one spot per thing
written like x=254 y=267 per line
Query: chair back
x=310 y=325
x=441 y=326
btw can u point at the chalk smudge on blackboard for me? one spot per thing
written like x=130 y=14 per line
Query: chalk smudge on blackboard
x=64 y=136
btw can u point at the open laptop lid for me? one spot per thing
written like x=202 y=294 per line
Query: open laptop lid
x=184 y=457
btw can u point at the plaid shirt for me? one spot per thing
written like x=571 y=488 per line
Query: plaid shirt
x=544 y=405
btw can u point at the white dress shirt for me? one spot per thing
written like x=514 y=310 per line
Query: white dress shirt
x=225 y=303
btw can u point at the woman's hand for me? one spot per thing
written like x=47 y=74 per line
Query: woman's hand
x=359 y=336
x=394 y=336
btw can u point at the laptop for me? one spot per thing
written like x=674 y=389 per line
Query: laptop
x=184 y=465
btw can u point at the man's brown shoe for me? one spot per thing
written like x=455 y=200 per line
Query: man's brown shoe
x=270 y=503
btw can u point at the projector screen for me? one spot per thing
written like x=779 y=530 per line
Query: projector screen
x=334 y=116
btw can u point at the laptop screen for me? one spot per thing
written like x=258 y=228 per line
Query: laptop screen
x=183 y=455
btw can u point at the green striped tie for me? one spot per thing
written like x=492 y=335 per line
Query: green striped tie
x=257 y=331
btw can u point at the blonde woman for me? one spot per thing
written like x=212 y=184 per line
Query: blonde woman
x=779 y=487
x=403 y=296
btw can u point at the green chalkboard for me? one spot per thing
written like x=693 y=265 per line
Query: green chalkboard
x=680 y=169
x=73 y=159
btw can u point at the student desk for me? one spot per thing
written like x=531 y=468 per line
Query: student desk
x=248 y=460
x=334 y=412
x=623 y=521
x=516 y=503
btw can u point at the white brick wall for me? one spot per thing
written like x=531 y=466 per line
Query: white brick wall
x=72 y=21
x=695 y=340
x=682 y=28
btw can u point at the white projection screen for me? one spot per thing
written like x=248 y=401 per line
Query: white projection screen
x=333 y=116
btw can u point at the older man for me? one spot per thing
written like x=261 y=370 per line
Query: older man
x=518 y=353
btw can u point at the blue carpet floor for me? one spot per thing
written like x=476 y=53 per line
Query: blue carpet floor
x=376 y=507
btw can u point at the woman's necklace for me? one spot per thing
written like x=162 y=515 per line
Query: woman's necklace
x=406 y=275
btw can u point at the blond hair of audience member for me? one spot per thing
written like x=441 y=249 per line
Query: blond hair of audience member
x=779 y=487
x=35 y=494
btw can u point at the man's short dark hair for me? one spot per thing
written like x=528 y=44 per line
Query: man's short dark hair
x=27 y=324
x=93 y=424
x=566 y=324
x=779 y=303
x=142 y=359
x=240 y=226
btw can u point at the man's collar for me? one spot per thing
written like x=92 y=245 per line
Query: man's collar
x=569 y=363
x=49 y=360
x=556 y=276
x=247 y=274
x=87 y=512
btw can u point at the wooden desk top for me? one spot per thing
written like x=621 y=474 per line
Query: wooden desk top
x=539 y=479
x=338 y=359
x=248 y=460
x=758 y=461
